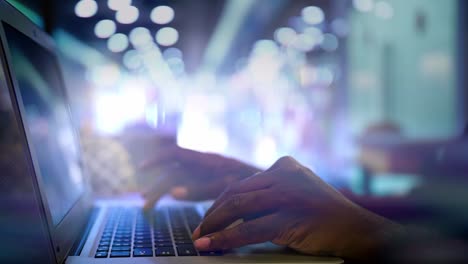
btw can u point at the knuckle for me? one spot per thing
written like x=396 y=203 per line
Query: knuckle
x=286 y=160
x=234 y=202
x=294 y=168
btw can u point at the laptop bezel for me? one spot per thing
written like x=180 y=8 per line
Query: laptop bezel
x=64 y=234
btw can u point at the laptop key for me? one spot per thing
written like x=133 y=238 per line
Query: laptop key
x=120 y=254
x=121 y=244
x=103 y=248
x=122 y=248
x=211 y=253
x=164 y=244
x=142 y=245
x=186 y=251
x=101 y=254
x=162 y=240
x=165 y=251
x=183 y=242
x=104 y=243
x=143 y=252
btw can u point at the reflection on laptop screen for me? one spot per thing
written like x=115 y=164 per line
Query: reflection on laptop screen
x=48 y=122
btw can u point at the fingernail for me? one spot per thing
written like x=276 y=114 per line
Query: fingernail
x=196 y=233
x=203 y=243
x=179 y=192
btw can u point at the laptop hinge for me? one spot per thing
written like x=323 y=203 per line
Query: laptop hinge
x=79 y=244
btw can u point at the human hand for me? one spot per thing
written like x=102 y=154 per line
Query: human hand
x=192 y=175
x=289 y=205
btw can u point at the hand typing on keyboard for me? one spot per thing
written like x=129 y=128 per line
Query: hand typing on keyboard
x=192 y=175
x=289 y=205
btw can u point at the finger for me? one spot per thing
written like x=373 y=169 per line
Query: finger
x=176 y=176
x=161 y=186
x=239 y=206
x=256 y=231
x=196 y=191
x=283 y=162
x=259 y=181
x=171 y=154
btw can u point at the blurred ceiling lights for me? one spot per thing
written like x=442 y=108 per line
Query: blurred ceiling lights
x=329 y=43
x=162 y=15
x=117 y=43
x=140 y=37
x=383 y=10
x=167 y=36
x=116 y=5
x=86 y=8
x=127 y=15
x=172 y=53
x=340 y=27
x=313 y=15
x=105 y=28
x=132 y=59
x=363 y=5
x=285 y=35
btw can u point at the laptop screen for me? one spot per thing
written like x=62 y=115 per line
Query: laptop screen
x=48 y=121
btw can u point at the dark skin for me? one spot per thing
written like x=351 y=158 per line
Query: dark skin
x=286 y=204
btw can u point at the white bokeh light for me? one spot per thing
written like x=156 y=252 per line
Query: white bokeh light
x=167 y=36
x=313 y=15
x=330 y=42
x=383 y=10
x=132 y=60
x=363 y=5
x=162 y=15
x=285 y=35
x=314 y=33
x=86 y=8
x=105 y=28
x=172 y=53
x=127 y=15
x=140 y=36
x=305 y=42
x=118 y=4
x=117 y=43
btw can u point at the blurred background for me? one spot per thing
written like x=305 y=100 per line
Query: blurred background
x=370 y=94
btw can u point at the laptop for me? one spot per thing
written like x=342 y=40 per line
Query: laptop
x=81 y=229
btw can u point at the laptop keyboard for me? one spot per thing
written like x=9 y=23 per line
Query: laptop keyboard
x=128 y=233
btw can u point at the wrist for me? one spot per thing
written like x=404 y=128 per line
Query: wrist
x=370 y=234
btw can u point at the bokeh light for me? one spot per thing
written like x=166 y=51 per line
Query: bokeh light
x=313 y=15
x=314 y=33
x=340 y=27
x=86 y=8
x=127 y=15
x=140 y=37
x=117 y=43
x=363 y=5
x=162 y=15
x=132 y=60
x=167 y=36
x=111 y=71
x=384 y=10
x=330 y=42
x=285 y=35
x=172 y=53
x=105 y=28
x=116 y=5
x=305 y=42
